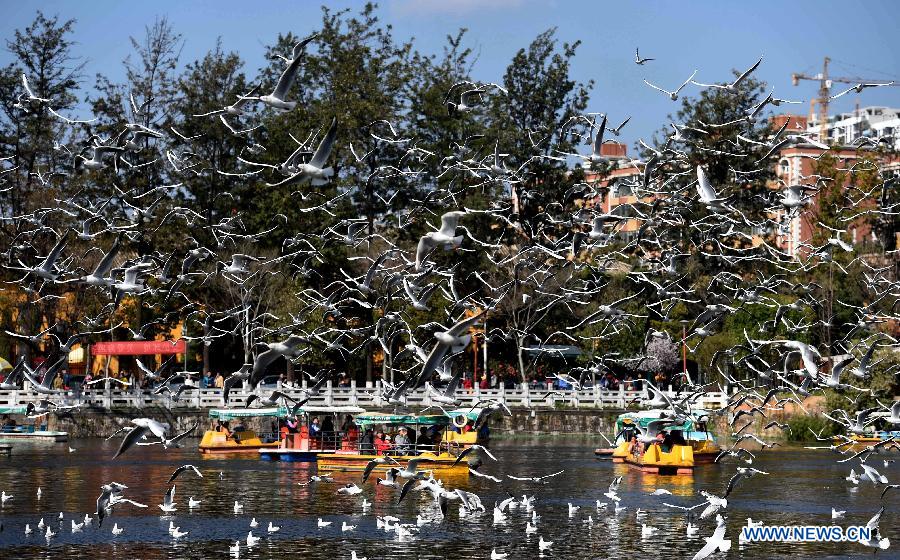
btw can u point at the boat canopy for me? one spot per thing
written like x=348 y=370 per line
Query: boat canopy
x=232 y=413
x=13 y=409
x=371 y=418
x=645 y=417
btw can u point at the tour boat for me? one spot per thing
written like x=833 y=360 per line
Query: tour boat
x=691 y=444
x=26 y=431
x=239 y=441
x=451 y=428
x=298 y=446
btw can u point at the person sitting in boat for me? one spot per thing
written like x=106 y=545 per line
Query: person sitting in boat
x=315 y=429
x=401 y=442
x=633 y=446
x=382 y=445
x=677 y=437
x=328 y=435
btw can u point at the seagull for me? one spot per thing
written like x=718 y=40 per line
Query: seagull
x=445 y=237
x=573 y=509
x=692 y=529
x=168 y=504
x=192 y=503
x=498 y=555
x=272 y=528
x=539 y=479
x=28 y=529
x=77 y=527
x=354 y=556
x=733 y=86
x=251 y=540
x=322 y=524
x=859 y=87
x=543 y=545
x=345 y=527
x=315 y=171
x=350 y=489
x=4 y=497
x=276 y=99
x=238 y=507
x=235 y=549
x=835 y=514
x=716 y=541
x=638 y=60
x=647 y=531
x=181 y=469
x=673 y=95
x=875 y=539
x=529 y=528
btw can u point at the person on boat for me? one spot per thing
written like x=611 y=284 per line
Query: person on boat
x=633 y=446
x=382 y=445
x=401 y=441
x=367 y=443
x=423 y=441
x=677 y=437
x=223 y=428
x=315 y=429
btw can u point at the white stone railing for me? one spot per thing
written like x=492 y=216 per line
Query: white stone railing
x=592 y=397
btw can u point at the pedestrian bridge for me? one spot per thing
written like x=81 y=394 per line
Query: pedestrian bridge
x=369 y=396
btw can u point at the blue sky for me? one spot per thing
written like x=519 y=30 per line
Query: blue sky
x=710 y=36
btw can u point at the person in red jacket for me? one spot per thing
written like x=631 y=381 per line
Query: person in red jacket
x=382 y=445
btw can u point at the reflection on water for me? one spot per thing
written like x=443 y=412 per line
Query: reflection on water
x=802 y=488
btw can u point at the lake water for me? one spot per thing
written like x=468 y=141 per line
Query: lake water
x=801 y=490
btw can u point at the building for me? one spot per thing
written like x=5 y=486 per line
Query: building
x=868 y=122
x=616 y=185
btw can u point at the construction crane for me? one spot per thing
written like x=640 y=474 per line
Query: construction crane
x=825 y=82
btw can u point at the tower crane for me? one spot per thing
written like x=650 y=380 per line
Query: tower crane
x=825 y=82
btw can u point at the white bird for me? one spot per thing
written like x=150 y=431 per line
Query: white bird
x=77 y=527
x=321 y=523
x=640 y=61
x=661 y=492
x=28 y=530
x=4 y=497
x=40 y=524
x=72 y=450
x=366 y=504
x=732 y=87
x=837 y=514
x=573 y=510
x=692 y=529
x=39 y=492
x=853 y=477
x=251 y=540
x=529 y=528
x=235 y=549
x=49 y=533
x=498 y=555
x=543 y=545
x=601 y=505
x=613 y=487
x=277 y=99
x=168 y=504
x=354 y=556
x=647 y=531
x=345 y=527
x=499 y=516
x=872 y=475
x=315 y=171
x=875 y=540
x=445 y=237
x=238 y=507
x=254 y=523
x=272 y=528
x=116 y=530
x=716 y=541
x=673 y=95
x=192 y=503
x=350 y=489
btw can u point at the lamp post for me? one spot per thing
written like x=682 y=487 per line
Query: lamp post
x=684 y=349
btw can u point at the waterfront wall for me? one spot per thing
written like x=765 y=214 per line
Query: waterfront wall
x=103 y=423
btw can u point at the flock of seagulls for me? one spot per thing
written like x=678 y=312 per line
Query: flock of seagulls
x=565 y=257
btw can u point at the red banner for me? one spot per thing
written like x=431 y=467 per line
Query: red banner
x=138 y=347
